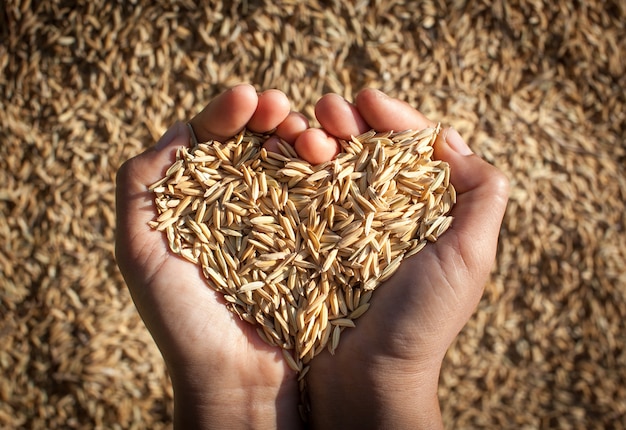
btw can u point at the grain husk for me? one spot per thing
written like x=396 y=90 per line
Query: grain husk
x=535 y=87
x=284 y=237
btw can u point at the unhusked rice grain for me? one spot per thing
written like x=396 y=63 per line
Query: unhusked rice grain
x=319 y=238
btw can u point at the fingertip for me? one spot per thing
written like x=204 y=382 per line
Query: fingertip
x=274 y=94
x=226 y=114
x=456 y=142
x=467 y=170
x=316 y=146
x=272 y=108
x=339 y=117
x=370 y=96
x=384 y=113
x=243 y=87
x=241 y=94
x=368 y=93
x=271 y=144
x=288 y=131
x=292 y=127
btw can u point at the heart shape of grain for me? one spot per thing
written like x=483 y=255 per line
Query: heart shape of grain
x=298 y=248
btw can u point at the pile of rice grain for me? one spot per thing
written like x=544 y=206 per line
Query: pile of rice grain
x=536 y=87
x=296 y=248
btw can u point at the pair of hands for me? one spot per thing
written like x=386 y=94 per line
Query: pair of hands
x=385 y=372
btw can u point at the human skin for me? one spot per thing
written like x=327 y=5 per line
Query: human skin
x=385 y=372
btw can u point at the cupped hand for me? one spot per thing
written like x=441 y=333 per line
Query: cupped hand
x=385 y=371
x=223 y=375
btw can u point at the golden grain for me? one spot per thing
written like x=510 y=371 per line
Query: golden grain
x=251 y=286
x=303 y=261
x=57 y=228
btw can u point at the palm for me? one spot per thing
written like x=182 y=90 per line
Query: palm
x=417 y=313
x=202 y=343
x=203 y=324
x=413 y=317
x=206 y=347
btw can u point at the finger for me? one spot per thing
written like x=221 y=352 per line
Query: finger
x=272 y=109
x=373 y=109
x=482 y=194
x=339 y=117
x=316 y=146
x=288 y=130
x=384 y=113
x=292 y=127
x=485 y=186
x=227 y=114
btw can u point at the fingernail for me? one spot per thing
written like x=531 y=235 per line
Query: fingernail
x=456 y=142
x=169 y=136
x=380 y=94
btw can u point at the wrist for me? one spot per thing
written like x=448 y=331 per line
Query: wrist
x=370 y=395
x=252 y=408
x=224 y=402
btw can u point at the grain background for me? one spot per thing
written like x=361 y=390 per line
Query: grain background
x=537 y=88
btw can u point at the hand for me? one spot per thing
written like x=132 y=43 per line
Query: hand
x=222 y=373
x=385 y=371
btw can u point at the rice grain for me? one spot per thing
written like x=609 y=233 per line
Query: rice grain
x=296 y=248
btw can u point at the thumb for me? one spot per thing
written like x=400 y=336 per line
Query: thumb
x=134 y=202
x=482 y=194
